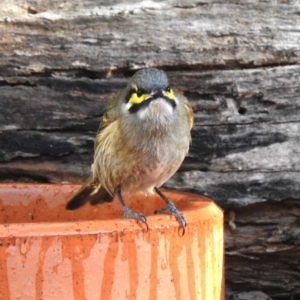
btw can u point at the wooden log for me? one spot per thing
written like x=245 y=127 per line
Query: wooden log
x=249 y=157
x=263 y=248
x=237 y=62
x=46 y=37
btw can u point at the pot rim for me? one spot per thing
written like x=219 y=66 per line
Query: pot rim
x=192 y=213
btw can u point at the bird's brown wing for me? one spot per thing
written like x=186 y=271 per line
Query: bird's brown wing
x=92 y=190
x=190 y=114
x=188 y=109
x=109 y=117
x=89 y=192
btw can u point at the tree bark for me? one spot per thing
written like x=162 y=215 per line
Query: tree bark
x=236 y=61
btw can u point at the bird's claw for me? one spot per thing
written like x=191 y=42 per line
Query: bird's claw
x=128 y=213
x=171 y=209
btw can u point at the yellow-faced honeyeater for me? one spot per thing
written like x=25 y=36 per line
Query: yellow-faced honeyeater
x=142 y=140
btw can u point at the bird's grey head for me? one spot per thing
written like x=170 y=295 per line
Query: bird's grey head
x=150 y=79
x=146 y=86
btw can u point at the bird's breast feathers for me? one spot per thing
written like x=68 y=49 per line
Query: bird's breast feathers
x=159 y=109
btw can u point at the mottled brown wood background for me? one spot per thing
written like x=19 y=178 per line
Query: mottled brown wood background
x=237 y=61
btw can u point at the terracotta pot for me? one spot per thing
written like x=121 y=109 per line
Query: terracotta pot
x=92 y=253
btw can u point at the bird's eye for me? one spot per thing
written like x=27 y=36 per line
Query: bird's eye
x=139 y=93
x=137 y=96
x=169 y=93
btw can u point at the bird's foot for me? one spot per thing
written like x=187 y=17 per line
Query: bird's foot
x=128 y=213
x=171 y=209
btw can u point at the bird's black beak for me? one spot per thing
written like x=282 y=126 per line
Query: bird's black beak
x=155 y=95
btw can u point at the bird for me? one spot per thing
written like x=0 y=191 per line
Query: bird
x=143 y=137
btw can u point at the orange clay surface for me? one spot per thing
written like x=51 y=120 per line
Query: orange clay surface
x=93 y=253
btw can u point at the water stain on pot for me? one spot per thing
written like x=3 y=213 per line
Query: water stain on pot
x=4 y=287
x=58 y=256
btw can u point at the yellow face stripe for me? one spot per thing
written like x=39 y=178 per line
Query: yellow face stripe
x=135 y=99
x=170 y=94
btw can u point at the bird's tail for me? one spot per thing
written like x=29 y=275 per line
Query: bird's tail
x=89 y=192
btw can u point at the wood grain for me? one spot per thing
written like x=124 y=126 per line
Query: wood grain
x=238 y=62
